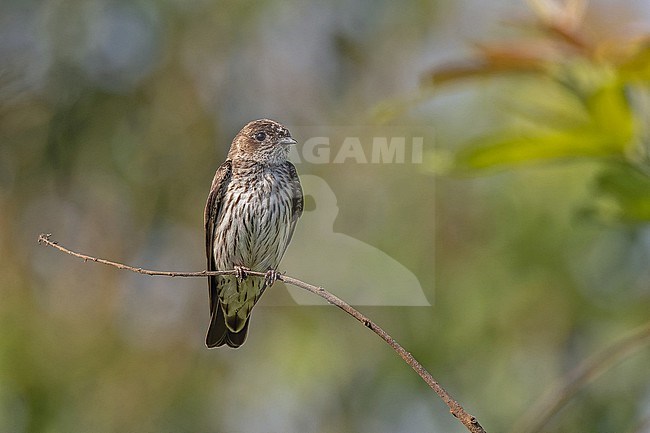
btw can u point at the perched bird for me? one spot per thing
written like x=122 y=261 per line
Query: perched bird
x=250 y=216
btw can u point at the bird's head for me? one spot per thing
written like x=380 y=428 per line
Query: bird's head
x=264 y=141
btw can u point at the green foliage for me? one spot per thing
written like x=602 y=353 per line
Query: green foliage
x=573 y=98
x=623 y=193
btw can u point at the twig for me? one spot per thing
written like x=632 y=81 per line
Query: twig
x=553 y=400
x=469 y=421
x=45 y=239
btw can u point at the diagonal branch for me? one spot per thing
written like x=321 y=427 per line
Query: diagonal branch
x=538 y=416
x=455 y=408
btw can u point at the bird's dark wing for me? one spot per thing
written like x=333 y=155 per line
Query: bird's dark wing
x=297 y=200
x=212 y=209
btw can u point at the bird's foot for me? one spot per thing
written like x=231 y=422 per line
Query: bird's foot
x=270 y=277
x=240 y=272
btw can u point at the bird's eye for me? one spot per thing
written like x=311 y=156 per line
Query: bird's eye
x=260 y=136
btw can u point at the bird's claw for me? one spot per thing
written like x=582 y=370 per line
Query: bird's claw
x=270 y=277
x=240 y=272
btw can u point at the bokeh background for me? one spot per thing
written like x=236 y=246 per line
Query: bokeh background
x=115 y=114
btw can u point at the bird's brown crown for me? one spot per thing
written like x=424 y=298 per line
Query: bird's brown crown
x=264 y=141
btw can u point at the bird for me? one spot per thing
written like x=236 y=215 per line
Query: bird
x=250 y=216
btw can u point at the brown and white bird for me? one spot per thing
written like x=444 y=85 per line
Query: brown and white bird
x=250 y=216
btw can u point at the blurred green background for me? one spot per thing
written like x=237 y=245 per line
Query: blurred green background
x=526 y=223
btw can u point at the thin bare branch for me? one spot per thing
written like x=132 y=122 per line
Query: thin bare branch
x=553 y=400
x=469 y=421
x=44 y=239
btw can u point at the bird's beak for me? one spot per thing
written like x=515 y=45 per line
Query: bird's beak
x=288 y=141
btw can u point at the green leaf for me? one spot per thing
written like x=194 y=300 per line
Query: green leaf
x=608 y=130
x=624 y=193
x=510 y=149
x=611 y=114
